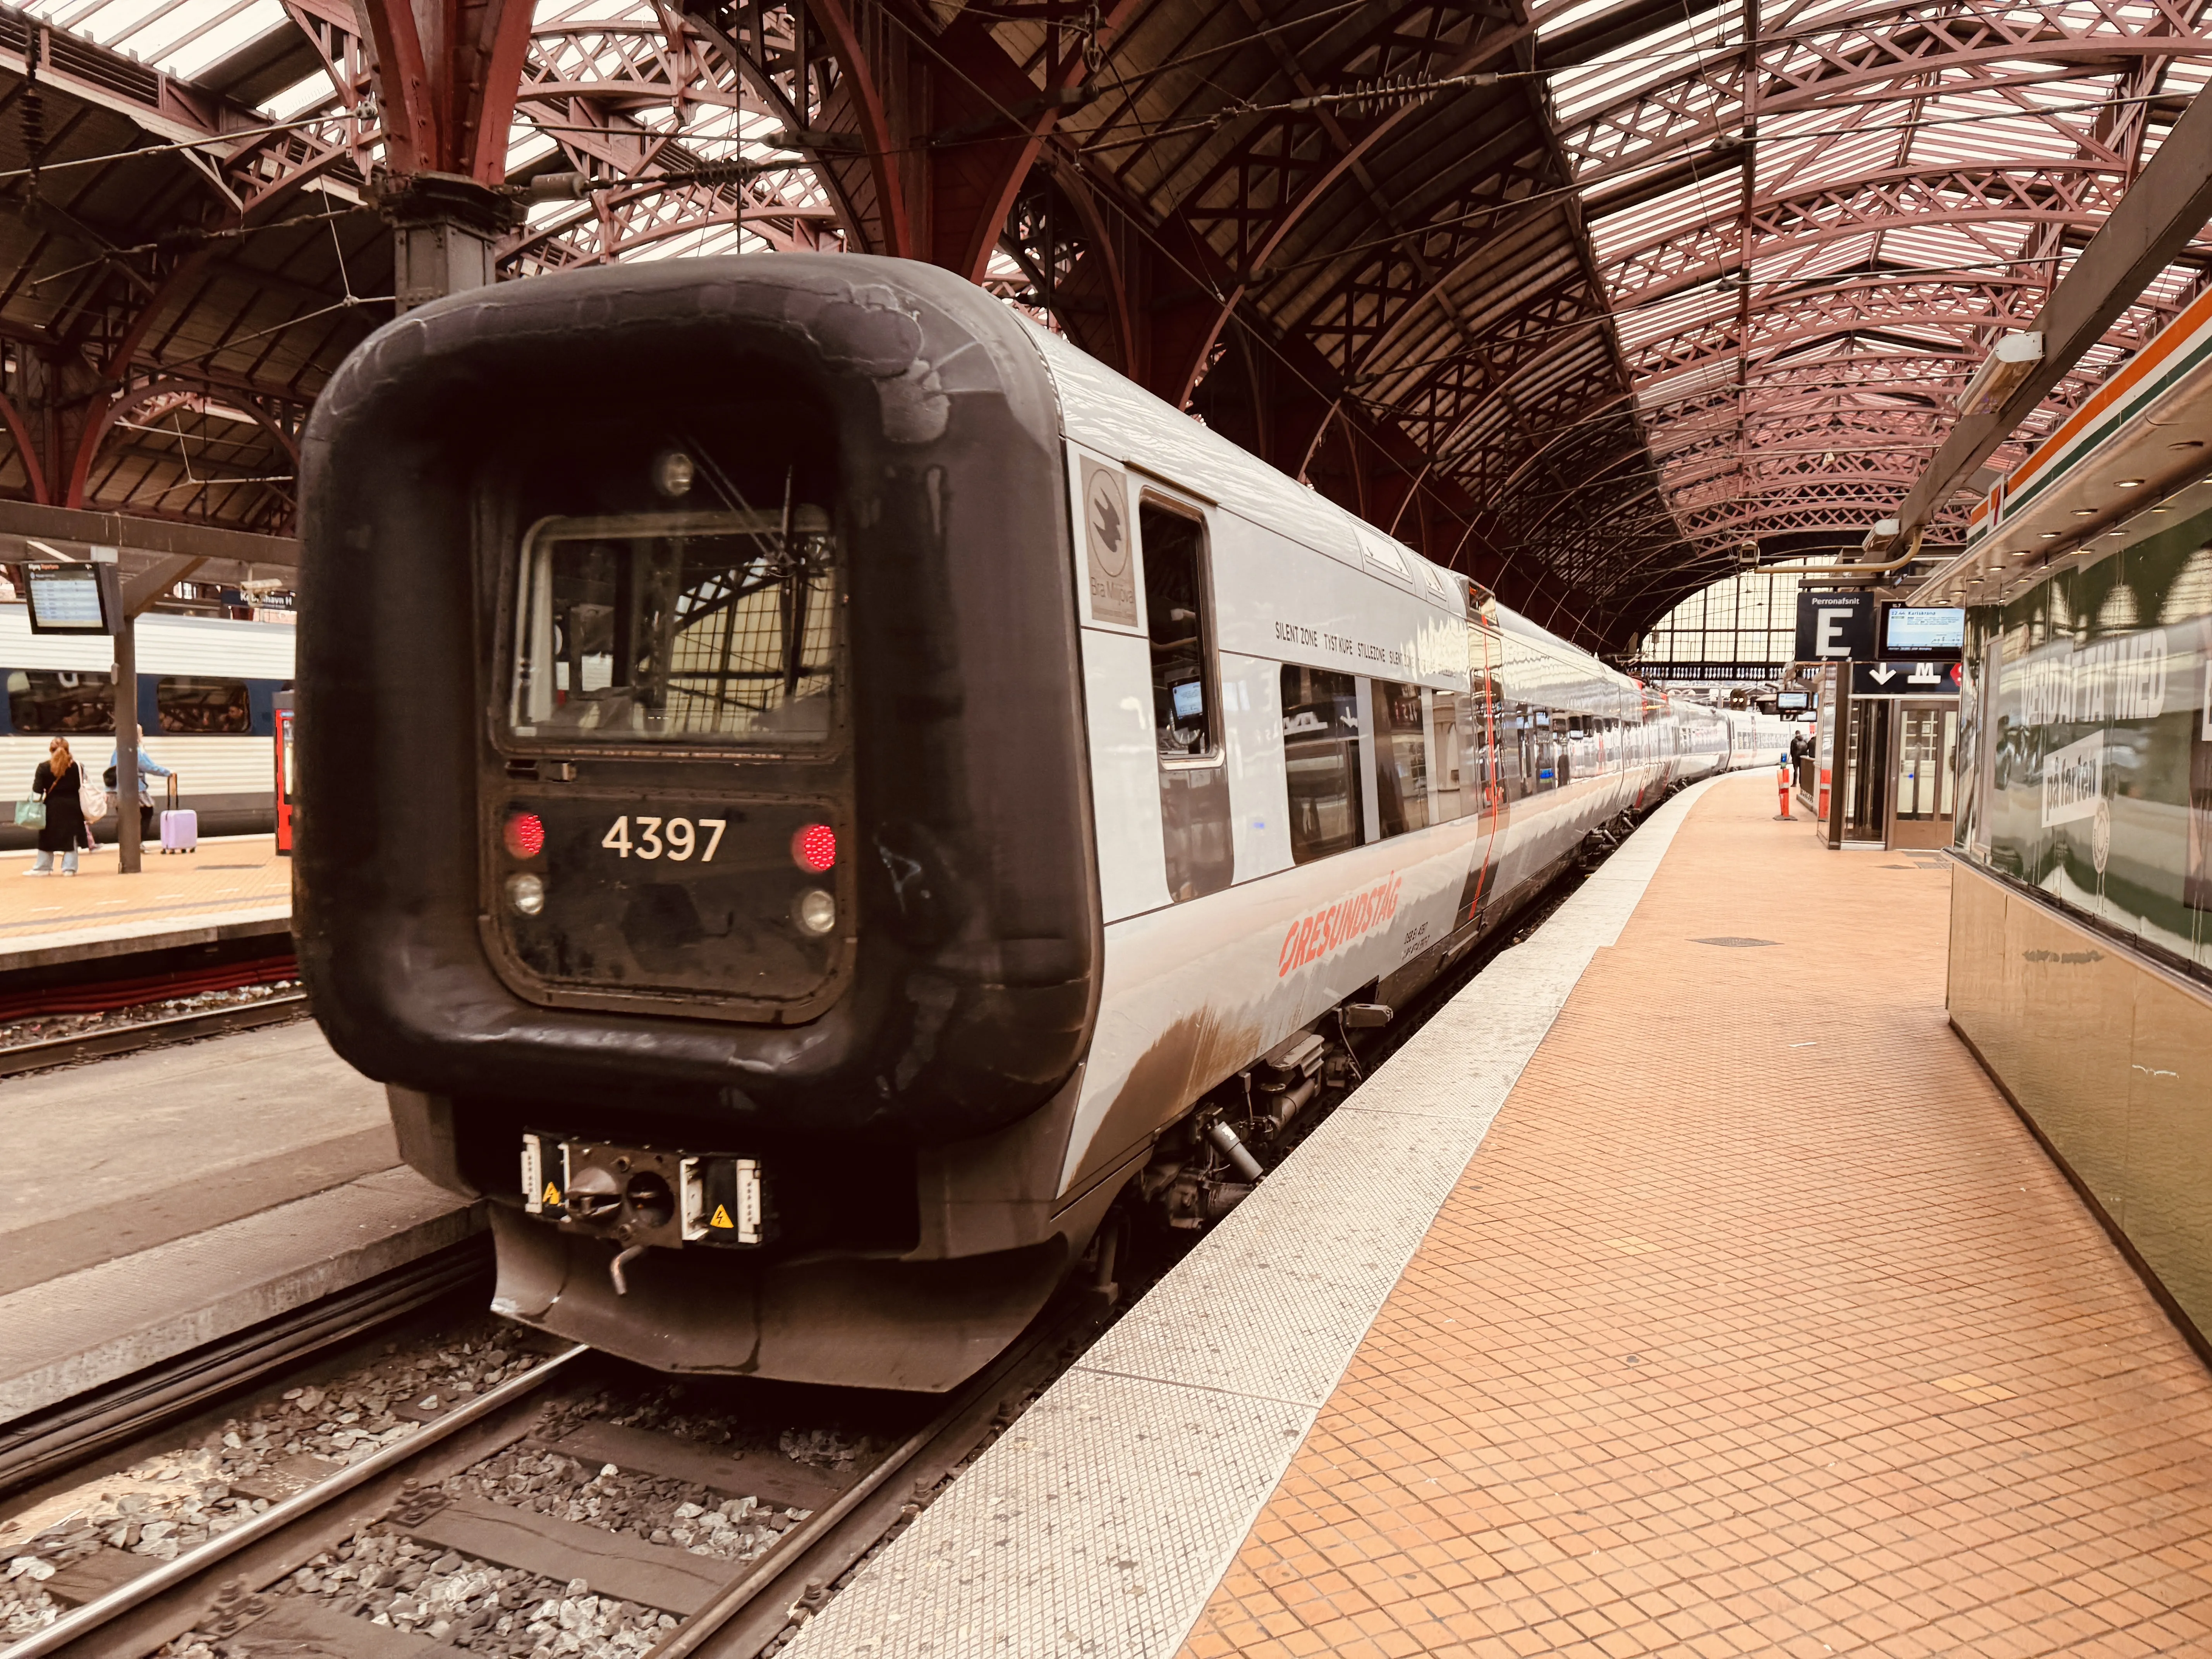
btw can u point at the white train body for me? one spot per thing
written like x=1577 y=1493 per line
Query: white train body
x=1195 y=988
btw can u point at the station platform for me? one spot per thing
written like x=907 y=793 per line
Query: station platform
x=1683 y=1287
x=164 y=1201
x=233 y=887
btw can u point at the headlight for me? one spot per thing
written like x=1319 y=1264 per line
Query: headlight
x=673 y=472
x=526 y=894
x=816 y=912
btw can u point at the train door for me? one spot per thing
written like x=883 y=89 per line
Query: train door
x=1400 y=753
x=1198 y=840
x=1482 y=737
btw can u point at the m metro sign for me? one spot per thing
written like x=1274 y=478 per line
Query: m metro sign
x=1835 y=627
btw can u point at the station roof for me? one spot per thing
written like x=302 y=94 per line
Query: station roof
x=1654 y=287
x=189 y=221
x=1688 y=283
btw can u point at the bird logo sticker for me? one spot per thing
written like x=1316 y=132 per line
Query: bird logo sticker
x=1106 y=545
x=1108 y=534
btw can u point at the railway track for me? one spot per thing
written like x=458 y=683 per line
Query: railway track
x=241 y=1586
x=105 y=1041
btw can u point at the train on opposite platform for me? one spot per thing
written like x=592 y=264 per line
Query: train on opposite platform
x=207 y=697
x=823 y=792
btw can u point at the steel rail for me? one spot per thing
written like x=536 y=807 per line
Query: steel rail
x=195 y=1562
x=41 y=1444
x=148 y=1034
x=821 y=1528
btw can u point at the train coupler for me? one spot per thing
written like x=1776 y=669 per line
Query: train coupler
x=643 y=1196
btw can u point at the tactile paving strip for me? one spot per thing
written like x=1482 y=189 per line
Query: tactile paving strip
x=1055 y=1544
x=1101 y=1523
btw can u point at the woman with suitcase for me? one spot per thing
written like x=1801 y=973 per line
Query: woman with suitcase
x=55 y=784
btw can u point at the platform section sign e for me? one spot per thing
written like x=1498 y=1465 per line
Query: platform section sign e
x=1109 y=545
x=1835 y=627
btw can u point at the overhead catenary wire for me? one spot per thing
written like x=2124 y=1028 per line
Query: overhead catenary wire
x=200 y=238
x=1379 y=96
x=217 y=141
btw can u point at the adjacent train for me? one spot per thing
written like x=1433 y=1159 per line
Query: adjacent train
x=206 y=696
x=822 y=791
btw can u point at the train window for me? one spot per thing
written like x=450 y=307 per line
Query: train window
x=1174 y=616
x=59 y=701
x=1545 y=746
x=1321 y=749
x=1401 y=764
x=1504 y=734
x=182 y=703
x=1456 y=772
x=687 y=628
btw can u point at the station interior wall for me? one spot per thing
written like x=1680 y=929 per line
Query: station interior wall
x=2102 y=1052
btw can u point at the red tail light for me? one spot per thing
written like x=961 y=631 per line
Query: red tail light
x=814 y=847
x=525 y=835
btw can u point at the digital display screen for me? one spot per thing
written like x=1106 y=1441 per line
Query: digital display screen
x=65 y=598
x=1791 y=700
x=1925 y=627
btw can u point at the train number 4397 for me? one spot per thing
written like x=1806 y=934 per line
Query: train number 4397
x=674 y=839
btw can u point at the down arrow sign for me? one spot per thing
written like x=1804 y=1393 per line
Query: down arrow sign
x=1881 y=676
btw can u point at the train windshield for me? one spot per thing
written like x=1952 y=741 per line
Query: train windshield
x=685 y=628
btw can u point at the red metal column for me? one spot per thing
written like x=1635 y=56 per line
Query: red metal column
x=446 y=73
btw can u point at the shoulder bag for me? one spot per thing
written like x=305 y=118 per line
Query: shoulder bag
x=32 y=814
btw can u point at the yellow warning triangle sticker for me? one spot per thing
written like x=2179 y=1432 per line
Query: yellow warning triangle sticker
x=720 y=1218
x=552 y=1194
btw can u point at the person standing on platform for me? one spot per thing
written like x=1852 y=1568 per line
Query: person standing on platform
x=148 y=768
x=57 y=782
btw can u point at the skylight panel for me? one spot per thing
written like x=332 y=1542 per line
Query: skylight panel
x=211 y=30
x=2170 y=285
x=2187 y=75
x=1556 y=21
x=541 y=215
x=1667 y=55
x=301 y=96
x=527 y=145
x=2024 y=142
x=1673 y=388
x=1811 y=163
x=114 y=22
x=1677 y=211
x=1641 y=327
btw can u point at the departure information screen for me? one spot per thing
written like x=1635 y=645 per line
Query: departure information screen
x=65 y=598
x=1924 y=627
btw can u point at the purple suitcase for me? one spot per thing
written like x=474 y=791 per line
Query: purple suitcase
x=180 y=830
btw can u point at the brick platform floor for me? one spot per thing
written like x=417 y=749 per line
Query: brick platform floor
x=240 y=874
x=1760 y=1325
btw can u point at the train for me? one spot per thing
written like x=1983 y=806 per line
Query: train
x=207 y=691
x=823 y=798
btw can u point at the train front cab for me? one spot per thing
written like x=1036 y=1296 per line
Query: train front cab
x=701 y=842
